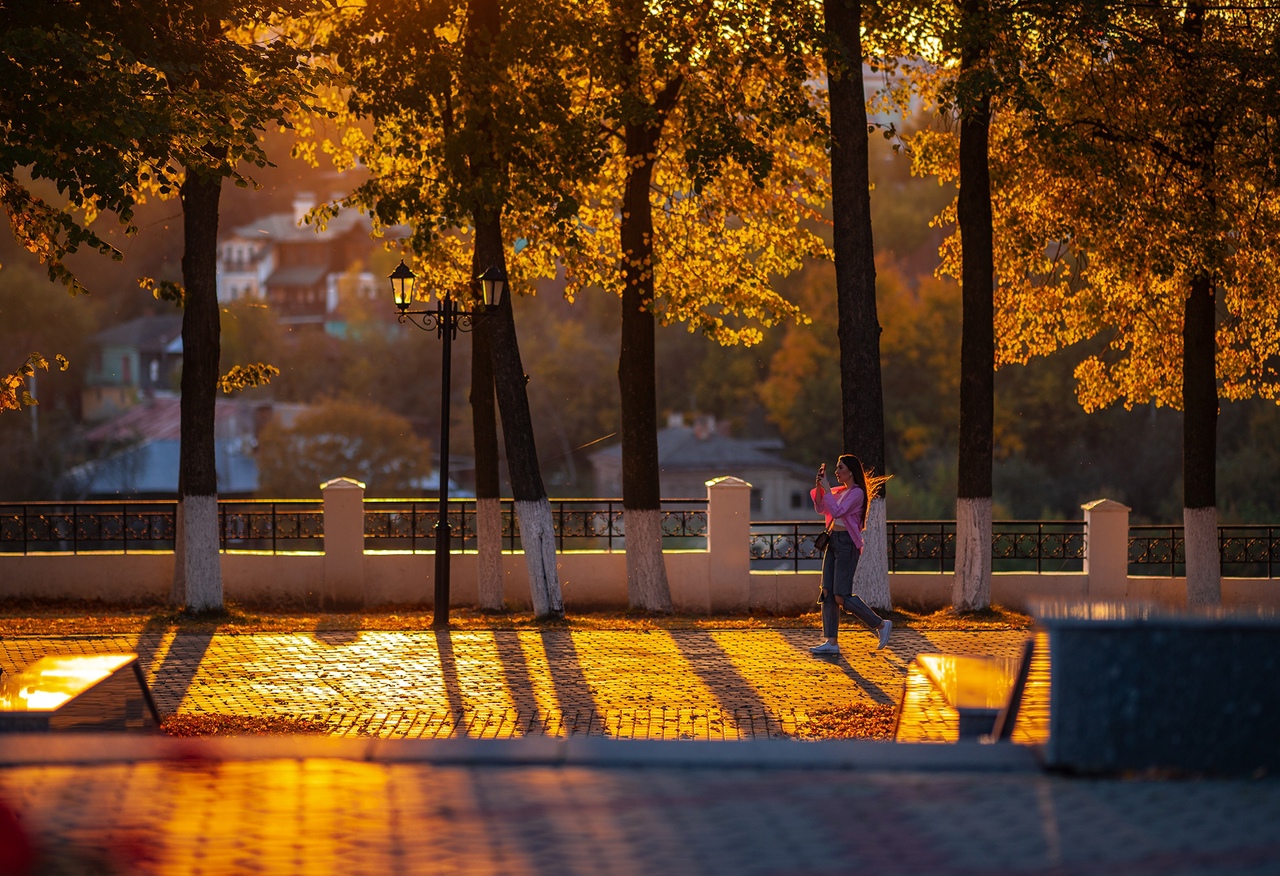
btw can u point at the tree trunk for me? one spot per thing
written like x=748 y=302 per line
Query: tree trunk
x=1199 y=363
x=647 y=585
x=198 y=476
x=871 y=578
x=971 y=588
x=537 y=529
x=1200 y=445
x=484 y=427
x=861 y=391
x=971 y=584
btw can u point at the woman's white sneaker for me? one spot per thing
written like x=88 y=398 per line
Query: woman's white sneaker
x=885 y=629
x=825 y=648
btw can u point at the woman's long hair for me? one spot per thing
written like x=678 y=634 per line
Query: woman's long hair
x=867 y=480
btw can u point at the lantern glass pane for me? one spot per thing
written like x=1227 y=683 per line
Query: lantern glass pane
x=402 y=280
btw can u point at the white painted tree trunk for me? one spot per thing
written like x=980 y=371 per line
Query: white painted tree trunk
x=971 y=589
x=202 y=564
x=1204 y=566
x=871 y=580
x=538 y=536
x=647 y=586
x=489 y=553
x=178 y=590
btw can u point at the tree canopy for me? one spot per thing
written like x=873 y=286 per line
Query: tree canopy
x=1155 y=162
x=342 y=439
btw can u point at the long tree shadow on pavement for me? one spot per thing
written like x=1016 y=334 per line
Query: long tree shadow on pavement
x=736 y=694
x=572 y=692
x=449 y=673
x=171 y=670
x=516 y=677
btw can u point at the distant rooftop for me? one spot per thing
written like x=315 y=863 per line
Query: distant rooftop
x=284 y=226
x=298 y=275
x=154 y=333
x=150 y=469
x=704 y=445
x=158 y=419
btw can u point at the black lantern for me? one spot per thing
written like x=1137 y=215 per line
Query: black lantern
x=493 y=283
x=402 y=280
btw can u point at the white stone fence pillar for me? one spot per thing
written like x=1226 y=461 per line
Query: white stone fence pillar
x=1106 y=549
x=343 y=543
x=728 y=545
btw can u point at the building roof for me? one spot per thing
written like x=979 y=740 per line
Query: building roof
x=150 y=334
x=151 y=469
x=703 y=448
x=282 y=227
x=298 y=275
x=159 y=419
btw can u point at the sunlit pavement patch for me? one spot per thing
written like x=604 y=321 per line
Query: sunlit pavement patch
x=658 y=684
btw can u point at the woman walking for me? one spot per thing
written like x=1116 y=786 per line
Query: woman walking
x=845 y=509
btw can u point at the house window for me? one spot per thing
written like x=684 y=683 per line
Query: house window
x=757 y=501
x=126 y=370
x=797 y=500
x=154 y=371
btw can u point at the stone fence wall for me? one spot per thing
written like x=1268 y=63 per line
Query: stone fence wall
x=718 y=579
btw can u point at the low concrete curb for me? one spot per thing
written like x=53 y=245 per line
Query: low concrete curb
x=853 y=754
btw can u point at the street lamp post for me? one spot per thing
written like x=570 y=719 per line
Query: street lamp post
x=446 y=319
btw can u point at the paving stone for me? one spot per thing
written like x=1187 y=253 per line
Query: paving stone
x=326 y=815
x=678 y=684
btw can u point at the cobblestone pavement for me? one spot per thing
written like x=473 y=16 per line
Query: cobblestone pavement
x=151 y=805
x=348 y=816
x=660 y=684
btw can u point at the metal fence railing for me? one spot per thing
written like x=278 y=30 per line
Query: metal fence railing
x=579 y=524
x=1249 y=551
x=270 y=525
x=297 y=526
x=930 y=545
x=86 y=527
x=1244 y=551
x=274 y=526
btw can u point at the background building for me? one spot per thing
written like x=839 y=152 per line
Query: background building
x=304 y=273
x=691 y=455
x=141 y=358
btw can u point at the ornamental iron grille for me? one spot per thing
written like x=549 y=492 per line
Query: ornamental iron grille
x=579 y=524
x=1249 y=551
x=1156 y=549
x=1243 y=551
x=930 y=545
x=273 y=526
x=297 y=526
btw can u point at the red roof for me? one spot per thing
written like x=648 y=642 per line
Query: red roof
x=157 y=419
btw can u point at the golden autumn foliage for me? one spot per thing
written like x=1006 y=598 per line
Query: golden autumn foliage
x=717 y=249
x=719 y=238
x=1148 y=163
x=13 y=392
